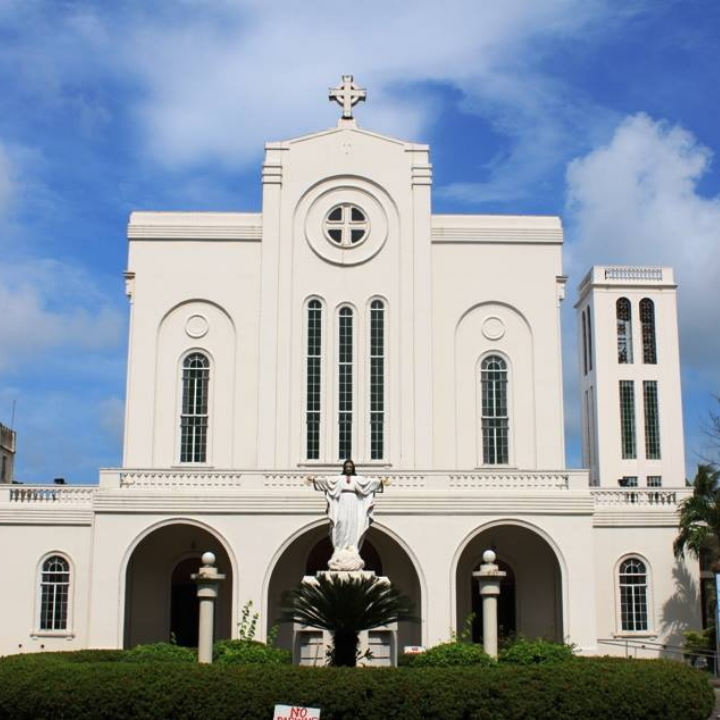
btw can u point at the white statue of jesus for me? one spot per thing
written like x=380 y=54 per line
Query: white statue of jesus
x=350 y=503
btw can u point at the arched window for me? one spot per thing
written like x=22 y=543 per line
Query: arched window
x=194 y=416
x=313 y=397
x=623 y=313
x=633 y=583
x=495 y=421
x=647 y=322
x=590 y=339
x=54 y=594
x=345 y=383
x=377 y=380
x=584 y=343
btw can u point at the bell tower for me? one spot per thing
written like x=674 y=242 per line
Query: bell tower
x=632 y=430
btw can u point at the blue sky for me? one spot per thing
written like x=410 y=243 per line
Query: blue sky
x=603 y=112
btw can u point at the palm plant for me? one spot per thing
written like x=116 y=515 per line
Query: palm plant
x=345 y=606
x=700 y=513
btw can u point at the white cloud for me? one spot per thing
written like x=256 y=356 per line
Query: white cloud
x=218 y=84
x=47 y=304
x=636 y=201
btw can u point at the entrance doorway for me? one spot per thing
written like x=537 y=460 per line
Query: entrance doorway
x=160 y=596
x=530 y=601
x=184 y=608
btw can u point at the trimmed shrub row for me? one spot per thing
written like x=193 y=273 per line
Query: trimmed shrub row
x=59 y=686
x=520 y=652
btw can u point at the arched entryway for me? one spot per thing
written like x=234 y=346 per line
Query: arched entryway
x=530 y=602
x=310 y=552
x=160 y=596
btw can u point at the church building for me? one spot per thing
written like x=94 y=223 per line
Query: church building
x=346 y=320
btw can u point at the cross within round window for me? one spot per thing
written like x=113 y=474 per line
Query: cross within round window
x=346 y=225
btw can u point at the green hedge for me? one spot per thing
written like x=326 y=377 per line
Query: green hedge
x=59 y=687
x=451 y=654
x=249 y=652
x=535 y=652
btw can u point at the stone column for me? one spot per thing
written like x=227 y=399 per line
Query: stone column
x=489 y=576
x=208 y=580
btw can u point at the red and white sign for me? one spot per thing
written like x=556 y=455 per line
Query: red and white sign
x=414 y=649
x=295 y=712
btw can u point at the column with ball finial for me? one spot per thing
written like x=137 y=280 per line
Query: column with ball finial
x=490 y=576
x=208 y=581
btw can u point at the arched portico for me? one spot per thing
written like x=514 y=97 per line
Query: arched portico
x=309 y=552
x=531 y=595
x=160 y=596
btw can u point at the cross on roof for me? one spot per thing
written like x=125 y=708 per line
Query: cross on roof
x=347 y=95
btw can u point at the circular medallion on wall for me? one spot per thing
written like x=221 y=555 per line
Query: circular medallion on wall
x=196 y=326
x=493 y=328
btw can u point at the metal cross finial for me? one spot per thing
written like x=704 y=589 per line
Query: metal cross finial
x=347 y=95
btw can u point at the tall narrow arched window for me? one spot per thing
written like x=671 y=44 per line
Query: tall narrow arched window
x=495 y=421
x=584 y=343
x=623 y=312
x=194 y=416
x=647 y=322
x=54 y=594
x=313 y=380
x=589 y=338
x=377 y=380
x=345 y=383
x=633 y=582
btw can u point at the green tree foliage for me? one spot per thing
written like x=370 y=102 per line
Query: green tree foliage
x=345 y=606
x=700 y=513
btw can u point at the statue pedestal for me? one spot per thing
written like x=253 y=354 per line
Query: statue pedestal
x=310 y=645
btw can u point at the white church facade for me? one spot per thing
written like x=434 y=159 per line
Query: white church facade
x=348 y=320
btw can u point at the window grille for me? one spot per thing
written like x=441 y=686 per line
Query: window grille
x=313 y=390
x=647 y=322
x=495 y=420
x=346 y=225
x=194 y=418
x=54 y=594
x=627 y=419
x=654 y=480
x=633 y=596
x=345 y=383
x=652 y=420
x=623 y=311
x=377 y=380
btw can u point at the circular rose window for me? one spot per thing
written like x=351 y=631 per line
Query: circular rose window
x=346 y=225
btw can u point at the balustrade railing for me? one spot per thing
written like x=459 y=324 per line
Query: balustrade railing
x=256 y=481
x=634 y=273
x=636 y=497
x=78 y=495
